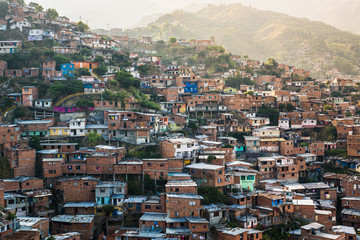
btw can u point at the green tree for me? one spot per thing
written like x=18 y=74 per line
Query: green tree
x=99 y=59
x=85 y=103
x=251 y=93
x=84 y=72
x=65 y=88
x=126 y=80
x=101 y=69
x=289 y=107
x=51 y=238
x=82 y=27
x=281 y=107
x=21 y=111
x=108 y=209
x=271 y=63
x=336 y=94
x=11 y=216
x=37 y=6
x=236 y=81
x=34 y=142
x=273 y=114
x=94 y=139
x=328 y=107
x=149 y=184
x=173 y=40
x=52 y=14
x=5 y=170
x=150 y=105
x=212 y=195
x=61 y=59
x=4 y=9
x=85 y=52
x=211 y=158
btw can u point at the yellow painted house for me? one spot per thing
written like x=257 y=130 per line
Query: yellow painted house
x=59 y=131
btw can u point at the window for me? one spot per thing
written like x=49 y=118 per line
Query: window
x=176 y=214
x=52 y=171
x=147 y=207
x=102 y=190
x=192 y=203
x=216 y=214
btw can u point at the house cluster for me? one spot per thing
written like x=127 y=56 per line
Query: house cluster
x=267 y=146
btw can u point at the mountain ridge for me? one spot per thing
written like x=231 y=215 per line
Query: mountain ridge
x=262 y=34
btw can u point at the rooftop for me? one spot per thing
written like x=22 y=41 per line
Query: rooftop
x=79 y=204
x=204 y=166
x=73 y=219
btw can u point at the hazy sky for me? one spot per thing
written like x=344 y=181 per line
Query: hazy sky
x=116 y=13
x=126 y=13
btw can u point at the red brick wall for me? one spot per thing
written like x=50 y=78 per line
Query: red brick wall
x=10 y=186
x=49 y=167
x=128 y=168
x=183 y=207
x=156 y=168
x=34 y=183
x=79 y=211
x=167 y=149
x=22 y=161
x=86 y=229
x=82 y=190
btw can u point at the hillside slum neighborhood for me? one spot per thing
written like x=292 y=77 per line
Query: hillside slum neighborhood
x=279 y=149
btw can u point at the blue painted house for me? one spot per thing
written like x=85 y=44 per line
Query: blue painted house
x=190 y=86
x=110 y=193
x=67 y=69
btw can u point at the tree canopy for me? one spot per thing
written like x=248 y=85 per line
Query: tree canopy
x=126 y=80
x=52 y=14
x=82 y=26
x=4 y=9
x=65 y=88
x=94 y=139
x=101 y=69
x=173 y=40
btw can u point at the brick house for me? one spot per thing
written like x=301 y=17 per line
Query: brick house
x=10 y=135
x=304 y=209
x=239 y=233
x=353 y=145
x=80 y=208
x=39 y=202
x=41 y=224
x=179 y=148
x=22 y=161
x=76 y=189
x=83 y=224
x=209 y=175
x=159 y=168
x=29 y=95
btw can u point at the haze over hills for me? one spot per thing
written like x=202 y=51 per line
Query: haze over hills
x=344 y=14
x=263 y=34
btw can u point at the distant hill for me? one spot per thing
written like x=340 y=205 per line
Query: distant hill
x=344 y=14
x=263 y=34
